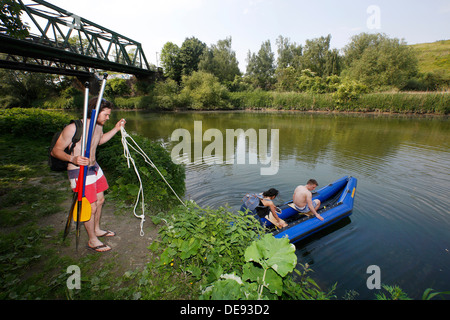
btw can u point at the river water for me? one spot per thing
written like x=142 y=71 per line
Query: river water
x=401 y=217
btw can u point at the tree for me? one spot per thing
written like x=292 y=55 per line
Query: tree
x=10 y=19
x=261 y=68
x=220 y=60
x=378 y=61
x=288 y=64
x=289 y=54
x=318 y=57
x=190 y=52
x=171 y=62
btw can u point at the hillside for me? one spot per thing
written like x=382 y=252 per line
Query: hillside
x=434 y=57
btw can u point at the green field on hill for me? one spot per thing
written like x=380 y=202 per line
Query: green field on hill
x=434 y=57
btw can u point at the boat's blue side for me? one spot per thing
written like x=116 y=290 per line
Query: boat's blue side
x=322 y=194
x=343 y=207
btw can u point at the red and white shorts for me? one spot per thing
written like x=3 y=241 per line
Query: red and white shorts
x=95 y=181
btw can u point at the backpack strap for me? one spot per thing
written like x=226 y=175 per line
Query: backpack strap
x=78 y=132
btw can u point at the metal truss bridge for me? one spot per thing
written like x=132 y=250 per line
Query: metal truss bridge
x=67 y=44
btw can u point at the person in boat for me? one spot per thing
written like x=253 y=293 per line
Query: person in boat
x=96 y=182
x=303 y=202
x=262 y=206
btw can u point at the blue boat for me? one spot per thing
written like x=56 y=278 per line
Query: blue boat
x=336 y=199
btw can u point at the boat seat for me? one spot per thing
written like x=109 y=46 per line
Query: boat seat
x=309 y=214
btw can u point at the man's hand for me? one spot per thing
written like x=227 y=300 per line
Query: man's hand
x=80 y=161
x=120 y=123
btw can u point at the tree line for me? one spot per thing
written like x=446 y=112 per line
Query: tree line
x=373 y=60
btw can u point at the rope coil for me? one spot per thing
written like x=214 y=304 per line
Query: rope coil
x=127 y=154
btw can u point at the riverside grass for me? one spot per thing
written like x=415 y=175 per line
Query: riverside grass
x=420 y=103
x=390 y=102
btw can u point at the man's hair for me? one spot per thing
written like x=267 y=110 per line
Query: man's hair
x=93 y=104
x=312 y=181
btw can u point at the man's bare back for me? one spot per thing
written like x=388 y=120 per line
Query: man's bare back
x=302 y=198
x=300 y=195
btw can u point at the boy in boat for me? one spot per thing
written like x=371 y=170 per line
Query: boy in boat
x=303 y=199
x=96 y=182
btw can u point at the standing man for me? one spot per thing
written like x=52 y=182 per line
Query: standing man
x=96 y=182
x=303 y=199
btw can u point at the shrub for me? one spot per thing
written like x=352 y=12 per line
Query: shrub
x=349 y=91
x=33 y=122
x=202 y=90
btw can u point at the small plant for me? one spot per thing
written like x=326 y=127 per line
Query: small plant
x=395 y=293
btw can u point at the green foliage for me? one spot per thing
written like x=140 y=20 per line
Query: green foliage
x=190 y=53
x=378 y=61
x=124 y=184
x=166 y=95
x=348 y=91
x=309 y=82
x=171 y=62
x=10 y=19
x=116 y=87
x=428 y=294
x=21 y=89
x=394 y=293
x=200 y=241
x=261 y=67
x=266 y=274
x=202 y=90
x=434 y=58
x=220 y=60
x=129 y=103
x=31 y=122
x=198 y=245
x=319 y=58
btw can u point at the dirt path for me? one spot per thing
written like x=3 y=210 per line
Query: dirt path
x=129 y=249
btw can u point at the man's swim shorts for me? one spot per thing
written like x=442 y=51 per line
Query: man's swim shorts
x=95 y=181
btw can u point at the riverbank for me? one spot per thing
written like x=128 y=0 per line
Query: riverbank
x=33 y=257
x=413 y=103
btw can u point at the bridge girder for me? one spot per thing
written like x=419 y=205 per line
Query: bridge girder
x=71 y=45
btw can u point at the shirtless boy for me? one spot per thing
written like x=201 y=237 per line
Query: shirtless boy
x=303 y=199
x=96 y=182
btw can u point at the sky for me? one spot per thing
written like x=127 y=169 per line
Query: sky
x=251 y=22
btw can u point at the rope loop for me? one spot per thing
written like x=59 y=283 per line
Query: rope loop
x=127 y=155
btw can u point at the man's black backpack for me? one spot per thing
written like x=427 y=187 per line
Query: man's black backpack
x=55 y=163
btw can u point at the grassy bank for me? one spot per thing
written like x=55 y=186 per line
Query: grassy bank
x=401 y=102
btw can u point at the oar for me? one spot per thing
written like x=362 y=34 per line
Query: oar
x=85 y=214
x=82 y=200
x=83 y=143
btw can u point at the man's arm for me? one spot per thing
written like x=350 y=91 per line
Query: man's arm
x=107 y=136
x=64 y=140
x=311 y=207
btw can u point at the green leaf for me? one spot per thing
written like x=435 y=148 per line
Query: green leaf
x=277 y=254
x=273 y=282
